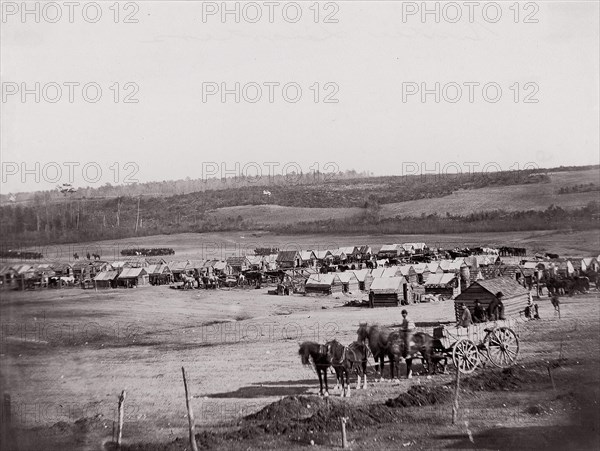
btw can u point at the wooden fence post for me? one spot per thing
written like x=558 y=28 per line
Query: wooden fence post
x=456 y=392
x=190 y=413
x=344 y=439
x=121 y=417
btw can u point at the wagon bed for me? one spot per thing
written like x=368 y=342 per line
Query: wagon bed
x=496 y=341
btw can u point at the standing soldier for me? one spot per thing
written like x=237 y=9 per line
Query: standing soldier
x=407 y=327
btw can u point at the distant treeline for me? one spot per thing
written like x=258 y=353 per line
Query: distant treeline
x=47 y=221
x=70 y=219
x=553 y=218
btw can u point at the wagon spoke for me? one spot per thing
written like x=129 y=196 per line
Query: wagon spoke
x=512 y=354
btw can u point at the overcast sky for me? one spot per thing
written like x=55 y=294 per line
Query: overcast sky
x=373 y=58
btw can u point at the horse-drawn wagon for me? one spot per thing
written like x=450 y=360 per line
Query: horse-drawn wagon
x=469 y=347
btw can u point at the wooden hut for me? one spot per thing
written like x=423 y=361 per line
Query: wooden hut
x=445 y=284
x=389 y=251
x=133 y=277
x=365 y=279
x=386 y=291
x=309 y=259
x=61 y=269
x=363 y=253
x=106 y=279
x=183 y=267
x=349 y=252
x=339 y=256
x=159 y=274
x=83 y=270
x=238 y=264
x=323 y=284
x=323 y=257
x=409 y=273
x=288 y=259
x=422 y=271
x=514 y=298
x=590 y=264
x=349 y=281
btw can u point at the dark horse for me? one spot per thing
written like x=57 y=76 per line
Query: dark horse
x=378 y=338
x=423 y=346
x=318 y=353
x=383 y=342
x=346 y=359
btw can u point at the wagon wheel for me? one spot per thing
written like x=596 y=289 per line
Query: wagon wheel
x=502 y=346
x=465 y=356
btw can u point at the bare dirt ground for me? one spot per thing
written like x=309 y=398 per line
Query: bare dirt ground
x=67 y=354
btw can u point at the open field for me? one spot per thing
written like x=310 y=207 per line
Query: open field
x=67 y=354
x=223 y=244
x=510 y=198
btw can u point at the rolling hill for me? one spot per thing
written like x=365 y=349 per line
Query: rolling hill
x=537 y=196
x=515 y=200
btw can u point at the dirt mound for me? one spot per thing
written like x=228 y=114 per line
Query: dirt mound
x=289 y=408
x=328 y=419
x=421 y=395
x=301 y=414
x=512 y=378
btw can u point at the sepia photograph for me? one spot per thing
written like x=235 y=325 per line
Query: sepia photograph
x=296 y=225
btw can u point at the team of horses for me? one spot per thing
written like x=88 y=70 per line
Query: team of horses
x=212 y=281
x=380 y=343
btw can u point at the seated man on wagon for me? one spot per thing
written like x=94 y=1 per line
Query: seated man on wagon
x=479 y=314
